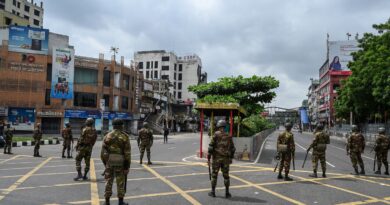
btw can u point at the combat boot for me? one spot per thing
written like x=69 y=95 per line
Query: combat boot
x=149 y=162
x=378 y=172
x=212 y=193
x=140 y=158
x=63 y=153
x=38 y=155
x=287 y=178
x=85 y=175
x=314 y=175
x=362 y=172
x=107 y=201
x=5 y=152
x=280 y=175
x=79 y=175
x=227 y=193
x=324 y=174
x=387 y=169
x=121 y=202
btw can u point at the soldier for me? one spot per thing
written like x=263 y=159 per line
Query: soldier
x=8 y=139
x=116 y=157
x=84 y=148
x=286 y=150
x=37 y=139
x=222 y=149
x=381 y=149
x=145 y=141
x=355 y=148
x=68 y=140
x=166 y=133
x=321 y=139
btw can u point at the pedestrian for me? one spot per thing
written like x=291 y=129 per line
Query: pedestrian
x=221 y=150
x=68 y=140
x=84 y=148
x=116 y=157
x=286 y=150
x=355 y=149
x=321 y=139
x=37 y=139
x=166 y=133
x=8 y=133
x=145 y=141
x=381 y=149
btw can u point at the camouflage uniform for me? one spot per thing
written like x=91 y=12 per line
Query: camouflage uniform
x=221 y=149
x=8 y=140
x=84 y=148
x=321 y=139
x=37 y=140
x=145 y=141
x=355 y=148
x=381 y=149
x=116 y=156
x=286 y=149
x=68 y=139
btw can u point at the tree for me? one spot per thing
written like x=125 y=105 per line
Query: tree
x=366 y=92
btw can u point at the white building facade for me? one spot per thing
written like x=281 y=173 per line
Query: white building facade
x=313 y=98
x=26 y=9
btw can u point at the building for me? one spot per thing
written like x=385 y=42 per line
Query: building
x=33 y=89
x=312 y=101
x=21 y=12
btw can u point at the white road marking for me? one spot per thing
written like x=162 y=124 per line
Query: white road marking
x=172 y=148
x=311 y=153
x=345 y=151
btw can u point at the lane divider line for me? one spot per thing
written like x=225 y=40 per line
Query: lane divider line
x=312 y=153
x=12 y=158
x=94 y=186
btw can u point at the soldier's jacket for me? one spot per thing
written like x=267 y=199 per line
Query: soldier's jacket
x=8 y=134
x=116 y=150
x=37 y=134
x=382 y=143
x=221 y=146
x=356 y=143
x=286 y=142
x=321 y=139
x=67 y=133
x=88 y=137
x=145 y=136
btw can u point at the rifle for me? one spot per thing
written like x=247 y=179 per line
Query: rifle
x=304 y=161
x=71 y=153
x=125 y=183
x=277 y=157
x=209 y=169
x=375 y=158
x=293 y=160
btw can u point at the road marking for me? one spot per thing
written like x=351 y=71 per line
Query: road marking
x=12 y=158
x=23 y=179
x=370 y=201
x=94 y=187
x=53 y=166
x=172 y=148
x=345 y=151
x=312 y=154
x=173 y=186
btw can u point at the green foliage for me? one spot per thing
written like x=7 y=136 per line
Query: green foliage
x=254 y=124
x=367 y=90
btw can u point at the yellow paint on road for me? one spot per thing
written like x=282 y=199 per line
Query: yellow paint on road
x=94 y=186
x=12 y=158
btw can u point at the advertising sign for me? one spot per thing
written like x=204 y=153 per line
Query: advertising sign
x=62 y=73
x=340 y=54
x=304 y=116
x=21 y=118
x=28 y=40
x=120 y=115
x=83 y=114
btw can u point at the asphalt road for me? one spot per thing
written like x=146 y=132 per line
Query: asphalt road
x=179 y=177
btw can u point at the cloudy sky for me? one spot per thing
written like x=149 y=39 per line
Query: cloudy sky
x=282 y=38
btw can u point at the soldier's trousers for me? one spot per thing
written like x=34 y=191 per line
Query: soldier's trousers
x=318 y=157
x=8 y=146
x=83 y=153
x=216 y=166
x=285 y=163
x=118 y=174
x=37 y=146
x=66 y=146
x=356 y=157
x=143 y=148
x=382 y=158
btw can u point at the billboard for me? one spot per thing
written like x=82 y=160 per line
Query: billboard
x=21 y=118
x=62 y=73
x=83 y=114
x=28 y=40
x=340 y=54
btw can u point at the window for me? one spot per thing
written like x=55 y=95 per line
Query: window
x=13 y=12
x=165 y=58
x=174 y=93
x=141 y=65
x=2 y=6
x=165 y=77
x=26 y=17
x=36 y=22
x=175 y=67
x=8 y=21
x=147 y=65
x=47 y=97
x=179 y=86
x=48 y=72
x=174 y=76
x=155 y=64
x=174 y=85
x=36 y=12
x=26 y=8
x=18 y=5
x=17 y=13
x=106 y=100
x=126 y=82
x=125 y=103
x=155 y=74
x=180 y=67
x=131 y=103
x=165 y=67
x=147 y=74
x=85 y=76
x=180 y=76
x=179 y=95
x=106 y=78
x=14 y=2
x=85 y=99
x=2 y=1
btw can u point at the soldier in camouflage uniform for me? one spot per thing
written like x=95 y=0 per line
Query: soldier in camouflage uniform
x=145 y=141
x=286 y=150
x=8 y=139
x=68 y=139
x=355 y=148
x=84 y=148
x=381 y=149
x=221 y=149
x=37 y=140
x=321 y=139
x=116 y=157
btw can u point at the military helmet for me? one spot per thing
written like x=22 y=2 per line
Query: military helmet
x=67 y=124
x=320 y=126
x=381 y=130
x=89 y=121
x=221 y=123
x=117 y=122
x=288 y=125
x=145 y=124
x=354 y=128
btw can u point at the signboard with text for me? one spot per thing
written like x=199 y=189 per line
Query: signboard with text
x=62 y=73
x=340 y=54
x=28 y=40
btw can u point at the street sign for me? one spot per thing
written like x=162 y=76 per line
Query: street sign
x=102 y=104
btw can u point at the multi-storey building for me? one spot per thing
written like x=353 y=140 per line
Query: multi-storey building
x=21 y=12
x=312 y=101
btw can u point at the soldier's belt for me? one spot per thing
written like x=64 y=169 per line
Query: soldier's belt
x=282 y=148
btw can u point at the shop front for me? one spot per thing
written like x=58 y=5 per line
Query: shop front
x=77 y=118
x=126 y=117
x=51 y=120
x=3 y=114
x=22 y=119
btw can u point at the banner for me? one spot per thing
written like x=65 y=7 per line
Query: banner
x=340 y=54
x=83 y=114
x=28 y=40
x=22 y=118
x=62 y=73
